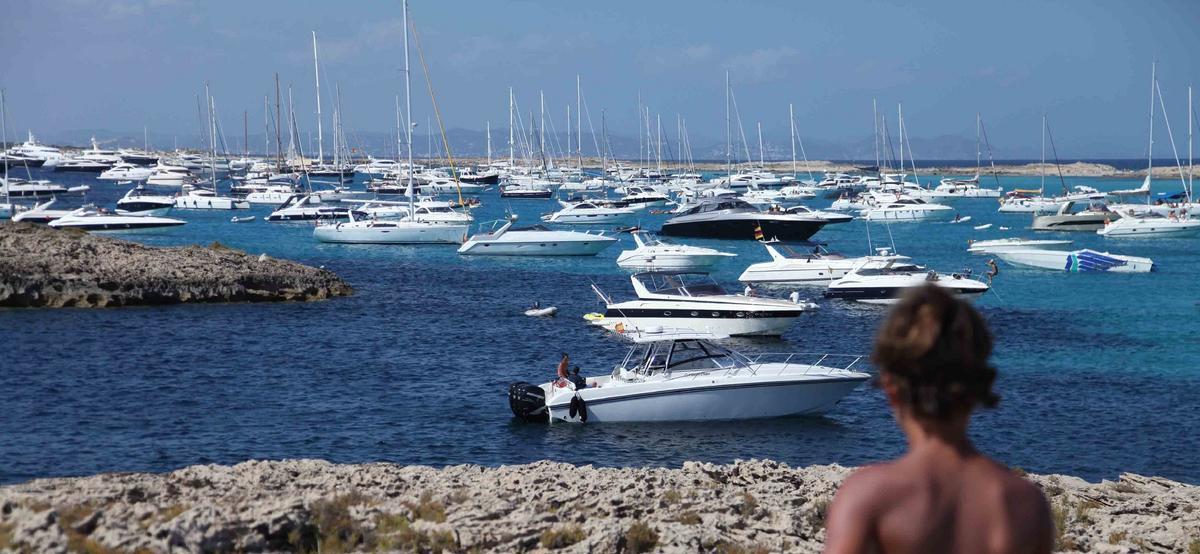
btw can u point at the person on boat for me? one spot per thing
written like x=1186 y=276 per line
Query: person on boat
x=564 y=378
x=993 y=269
x=578 y=380
x=942 y=495
x=748 y=291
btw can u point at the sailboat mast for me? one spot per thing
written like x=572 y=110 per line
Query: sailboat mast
x=511 y=158
x=278 y=122
x=1042 y=189
x=578 y=121
x=792 y=128
x=728 y=153
x=408 y=110
x=762 y=161
x=317 y=73
x=1191 y=173
x=978 y=151
x=266 y=127
x=337 y=125
x=399 y=131
x=900 y=116
x=489 y=142
x=4 y=143
x=212 y=142
x=542 y=126
x=875 y=120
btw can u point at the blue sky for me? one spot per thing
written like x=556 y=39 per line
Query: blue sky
x=122 y=64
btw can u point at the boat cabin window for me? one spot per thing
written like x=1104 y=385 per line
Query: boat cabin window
x=676 y=356
x=681 y=284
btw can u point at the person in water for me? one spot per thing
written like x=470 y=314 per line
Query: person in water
x=942 y=495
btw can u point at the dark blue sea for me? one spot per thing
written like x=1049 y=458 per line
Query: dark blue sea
x=1098 y=372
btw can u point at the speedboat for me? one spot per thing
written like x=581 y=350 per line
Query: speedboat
x=808 y=263
x=1152 y=224
x=1001 y=245
x=683 y=376
x=828 y=217
x=170 y=176
x=534 y=241
x=139 y=201
x=587 y=213
x=126 y=172
x=645 y=197
x=204 y=199
x=729 y=218
x=1093 y=218
x=652 y=253
x=886 y=285
x=91 y=218
x=525 y=191
x=1077 y=260
x=909 y=209
x=13 y=187
x=381 y=231
x=694 y=300
x=40 y=213
x=307 y=207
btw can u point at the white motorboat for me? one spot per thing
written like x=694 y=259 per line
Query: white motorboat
x=807 y=263
x=1152 y=225
x=425 y=209
x=587 y=213
x=828 y=217
x=204 y=199
x=448 y=186
x=170 y=176
x=1091 y=218
x=886 y=285
x=307 y=207
x=378 y=167
x=1020 y=203
x=909 y=209
x=1001 y=245
x=538 y=311
x=534 y=241
x=730 y=218
x=31 y=148
x=268 y=193
x=91 y=218
x=683 y=376
x=1077 y=260
x=645 y=197
x=141 y=202
x=390 y=231
x=125 y=171
x=652 y=253
x=39 y=213
x=951 y=188
x=694 y=300
x=13 y=187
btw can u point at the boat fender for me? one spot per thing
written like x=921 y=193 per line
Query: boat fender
x=578 y=408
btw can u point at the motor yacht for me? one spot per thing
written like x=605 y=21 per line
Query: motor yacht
x=727 y=218
x=1152 y=225
x=653 y=253
x=425 y=209
x=39 y=213
x=1076 y=261
x=682 y=376
x=950 y=188
x=91 y=218
x=137 y=157
x=14 y=161
x=810 y=263
x=31 y=148
x=827 y=217
x=94 y=160
x=378 y=167
x=1000 y=245
x=694 y=300
x=587 y=213
x=886 y=285
x=13 y=187
x=538 y=240
x=170 y=176
x=645 y=197
x=390 y=231
x=307 y=207
x=446 y=185
x=1091 y=218
x=475 y=177
x=267 y=193
x=525 y=191
x=194 y=198
x=909 y=209
x=140 y=201
x=125 y=171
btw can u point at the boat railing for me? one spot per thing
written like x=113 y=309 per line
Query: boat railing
x=802 y=361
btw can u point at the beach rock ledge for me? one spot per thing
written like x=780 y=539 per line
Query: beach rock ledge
x=318 y=506
x=45 y=267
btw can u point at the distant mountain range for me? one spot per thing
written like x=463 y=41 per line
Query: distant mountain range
x=473 y=143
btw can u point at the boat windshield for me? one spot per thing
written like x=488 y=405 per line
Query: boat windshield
x=724 y=204
x=802 y=251
x=680 y=284
x=678 y=356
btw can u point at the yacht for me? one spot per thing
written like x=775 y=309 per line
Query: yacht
x=909 y=209
x=525 y=191
x=32 y=149
x=14 y=161
x=729 y=218
x=472 y=176
x=684 y=376
x=645 y=197
x=1091 y=218
x=828 y=217
x=125 y=171
x=950 y=188
x=1001 y=245
x=139 y=201
x=268 y=193
x=170 y=176
x=1076 y=261
x=652 y=253
x=307 y=207
x=40 y=213
x=425 y=209
x=445 y=185
x=83 y=165
x=91 y=218
x=13 y=187
x=205 y=199
x=137 y=157
x=809 y=263
x=390 y=231
x=378 y=167
x=587 y=213
x=1019 y=201
x=533 y=241
x=1152 y=224
x=694 y=300
x=886 y=285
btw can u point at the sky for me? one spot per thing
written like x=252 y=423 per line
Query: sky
x=122 y=65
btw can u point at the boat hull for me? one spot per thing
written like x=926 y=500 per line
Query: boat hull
x=744 y=229
x=536 y=248
x=403 y=234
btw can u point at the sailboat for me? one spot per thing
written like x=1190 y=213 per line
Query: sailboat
x=411 y=230
x=203 y=199
x=968 y=188
x=1028 y=200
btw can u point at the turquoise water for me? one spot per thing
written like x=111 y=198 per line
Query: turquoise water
x=1098 y=374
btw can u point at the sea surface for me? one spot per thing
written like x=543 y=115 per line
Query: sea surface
x=1098 y=372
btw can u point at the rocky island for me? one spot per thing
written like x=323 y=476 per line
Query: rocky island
x=44 y=267
x=312 y=505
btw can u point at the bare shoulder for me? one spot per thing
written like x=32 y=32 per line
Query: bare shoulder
x=850 y=523
x=1027 y=513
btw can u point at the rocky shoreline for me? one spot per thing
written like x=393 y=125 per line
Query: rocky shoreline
x=45 y=267
x=313 y=505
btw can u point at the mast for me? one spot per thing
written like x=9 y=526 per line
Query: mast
x=291 y=125
x=408 y=110
x=317 y=73
x=875 y=120
x=4 y=144
x=1042 y=189
x=245 y=133
x=212 y=142
x=278 y=122
x=792 y=126
x=1191 y=173
x=542 y=127
x=568 y=152
x=900 y=116
x=579 y=122
x=399 y=132
x=728 y=162
x=489 y=142
x=978 y=152
x=1150 y=149
x=511 y=158
x=266 y=128
x=337 y=125
x=761 y=159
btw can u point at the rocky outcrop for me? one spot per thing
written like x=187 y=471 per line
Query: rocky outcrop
x=40 y=266
x=312 y=505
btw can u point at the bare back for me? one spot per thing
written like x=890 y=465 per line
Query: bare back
x=935 y=503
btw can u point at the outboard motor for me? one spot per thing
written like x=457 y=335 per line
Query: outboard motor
x=528 y=402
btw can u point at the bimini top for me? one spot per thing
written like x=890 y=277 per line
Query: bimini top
x=679 y=283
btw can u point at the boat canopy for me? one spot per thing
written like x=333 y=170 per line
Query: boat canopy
x=679 y=283
x=665 y=357
x=804 y=250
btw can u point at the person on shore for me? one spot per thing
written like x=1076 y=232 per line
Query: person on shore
x=943 y=495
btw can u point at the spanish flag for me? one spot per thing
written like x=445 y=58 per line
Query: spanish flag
x=758 y=232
